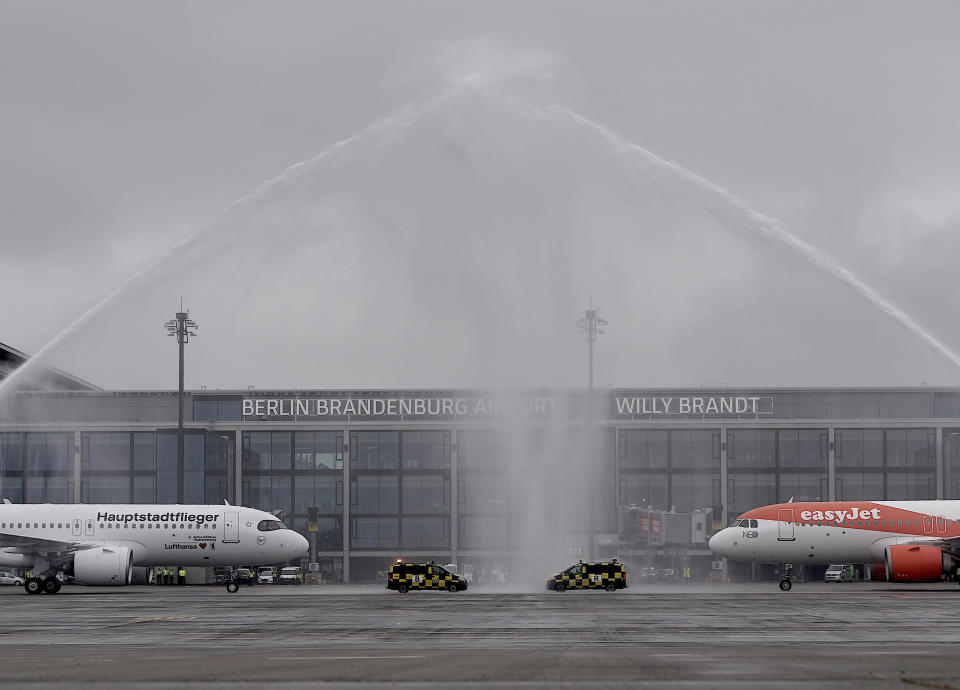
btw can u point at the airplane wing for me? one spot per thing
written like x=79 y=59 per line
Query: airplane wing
x=16 y=543
x=949 y=544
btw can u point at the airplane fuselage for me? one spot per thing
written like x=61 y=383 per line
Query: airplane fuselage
x=198 y=535
x=835 y=531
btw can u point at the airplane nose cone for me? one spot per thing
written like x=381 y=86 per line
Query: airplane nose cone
x=717 y=543
x=302 y=546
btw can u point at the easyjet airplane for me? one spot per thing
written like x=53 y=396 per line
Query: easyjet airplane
x=919 y=541
x=100 y=544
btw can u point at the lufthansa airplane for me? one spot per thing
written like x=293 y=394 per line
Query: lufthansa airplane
x=918 y=541
x=100 y=544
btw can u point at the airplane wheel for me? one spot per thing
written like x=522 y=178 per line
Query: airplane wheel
x=785 y=585
x=51 y=585
x=403 y=589
x=33 y=585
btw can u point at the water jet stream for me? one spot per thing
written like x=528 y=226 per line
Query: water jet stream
x=387 y=128
x=732 y=212
x=735 y=212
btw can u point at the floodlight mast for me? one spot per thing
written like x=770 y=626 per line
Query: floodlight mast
x=592 y=325
x=182 y=327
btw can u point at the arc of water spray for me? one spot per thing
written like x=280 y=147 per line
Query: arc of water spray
x=392 y=127
x=770 y=228
x=388 y=127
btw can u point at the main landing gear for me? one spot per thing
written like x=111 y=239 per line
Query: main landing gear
x=42 y=585
x=49 y=584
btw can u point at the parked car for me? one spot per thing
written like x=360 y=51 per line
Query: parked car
x=267 y=575
x=837 y=573
x=245 y=576
x=7 y=578
x=292 y=575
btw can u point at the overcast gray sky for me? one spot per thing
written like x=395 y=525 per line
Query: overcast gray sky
x=461 y=250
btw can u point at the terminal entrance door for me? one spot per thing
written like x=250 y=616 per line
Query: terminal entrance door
x=785 y=524
x=231 y=527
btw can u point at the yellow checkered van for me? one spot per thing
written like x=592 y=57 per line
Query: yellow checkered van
x=610 y=576
x=403 y=577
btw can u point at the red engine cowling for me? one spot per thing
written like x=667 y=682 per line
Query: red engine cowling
x=907 y=563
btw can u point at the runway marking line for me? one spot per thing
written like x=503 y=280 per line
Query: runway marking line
x=340 y=658
x=150 y=619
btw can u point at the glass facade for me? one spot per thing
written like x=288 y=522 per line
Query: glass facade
x=887 y=464
x=400 y=490
x=292 y=471
x=142 y=467
x=670 y=469
x=482 y=492
x=951 y=463
x=767 y=466
x=36 y=467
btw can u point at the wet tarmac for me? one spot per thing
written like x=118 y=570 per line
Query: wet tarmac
x=695 y=636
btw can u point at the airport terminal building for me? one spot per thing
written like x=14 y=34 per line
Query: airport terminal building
x=483 y=479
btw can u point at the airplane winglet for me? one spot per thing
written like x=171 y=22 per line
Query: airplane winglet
x=226 y=502
x=7 y=501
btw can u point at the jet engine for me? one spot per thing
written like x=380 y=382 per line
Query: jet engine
x=107 y=565
x=906 y=563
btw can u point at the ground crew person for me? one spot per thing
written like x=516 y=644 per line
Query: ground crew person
x=158 y=576
x=182 y=576
x=167 y=576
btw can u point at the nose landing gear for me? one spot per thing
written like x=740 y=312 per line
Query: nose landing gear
x=785 y=583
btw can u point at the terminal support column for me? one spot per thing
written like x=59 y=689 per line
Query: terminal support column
x=77 y=494
x=940 y=478
x=831 y=466
x=238 y=468
x=454 y=500
x=346 y=504
x=723 y=478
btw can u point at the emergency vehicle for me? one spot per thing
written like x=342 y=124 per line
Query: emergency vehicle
x=610 y=576
x=403 y=577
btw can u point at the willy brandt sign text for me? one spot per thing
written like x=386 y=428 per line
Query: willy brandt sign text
x=696 y=405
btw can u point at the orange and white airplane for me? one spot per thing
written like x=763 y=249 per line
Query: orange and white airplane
x=918 y=541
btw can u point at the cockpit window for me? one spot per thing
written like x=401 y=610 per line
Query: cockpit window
x=754 y=524
x=270 y=525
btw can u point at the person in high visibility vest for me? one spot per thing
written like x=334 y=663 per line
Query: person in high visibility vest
x=182 y=576
x=158 y=576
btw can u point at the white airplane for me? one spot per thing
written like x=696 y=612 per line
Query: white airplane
x=918 y=541
x=100 y=544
